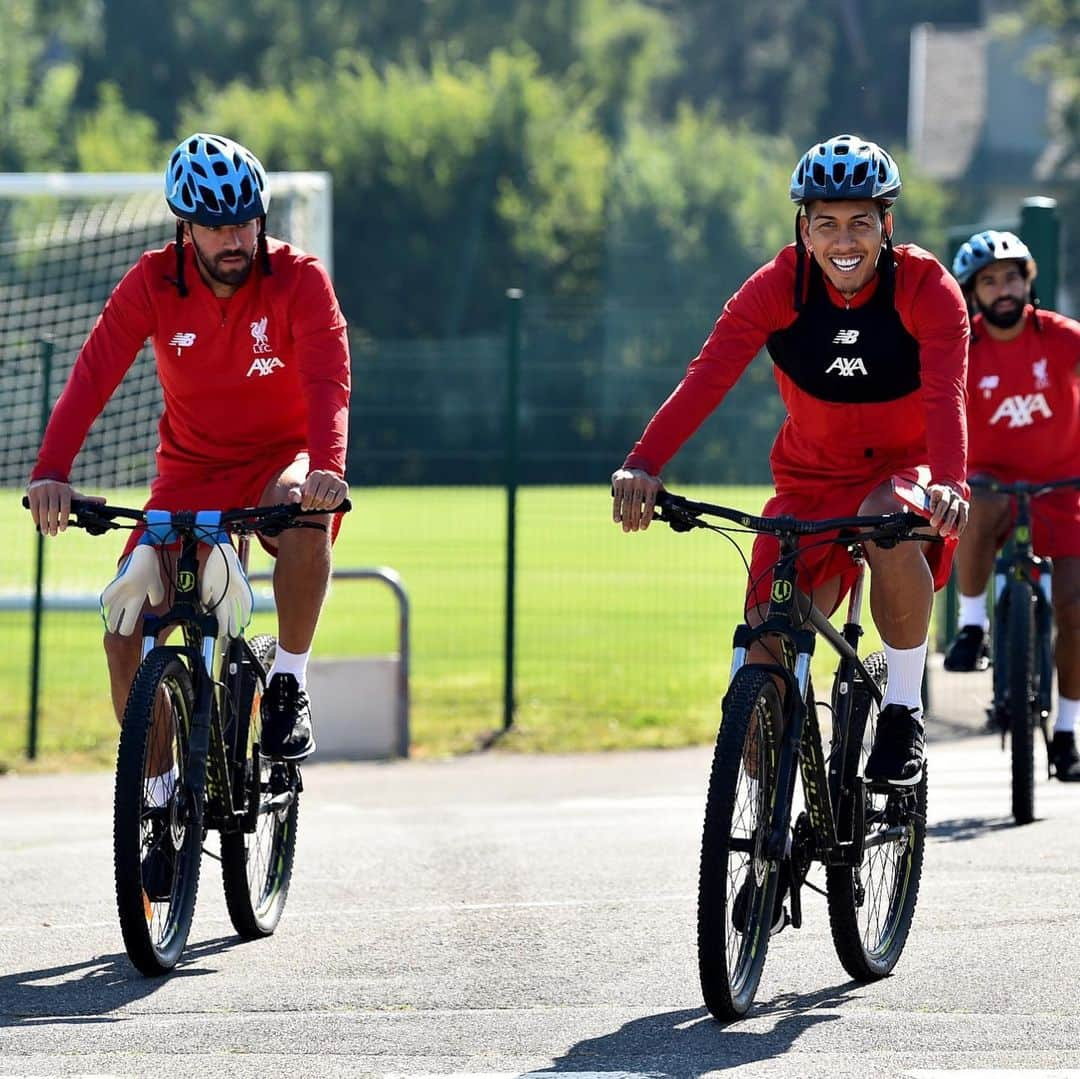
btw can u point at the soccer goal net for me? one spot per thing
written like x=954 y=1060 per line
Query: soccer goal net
x=65 y=241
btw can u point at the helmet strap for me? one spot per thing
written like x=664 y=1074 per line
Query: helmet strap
x=800 y=255
x=181 y=287
x=264 y=254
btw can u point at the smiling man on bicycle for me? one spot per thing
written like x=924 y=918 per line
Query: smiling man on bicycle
x=1024 y=419
x=869 y=343
x=253 y=359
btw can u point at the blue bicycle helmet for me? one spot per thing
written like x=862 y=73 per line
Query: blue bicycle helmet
x=845 y=167
x=211 y=180
x=984 y=248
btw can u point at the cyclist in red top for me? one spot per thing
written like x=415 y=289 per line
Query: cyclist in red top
x=869 y=343
x=253 y=359
x=1024 y=419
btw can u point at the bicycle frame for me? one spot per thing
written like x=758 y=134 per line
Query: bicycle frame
x=219 y=722
x=801 y=745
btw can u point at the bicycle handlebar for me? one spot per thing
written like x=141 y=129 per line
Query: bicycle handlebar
x=682 y=514
x=99 y=517
x=988 y=483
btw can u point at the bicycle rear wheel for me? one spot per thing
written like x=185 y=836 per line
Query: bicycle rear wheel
x=156 y=848
x=871 y=907
x=256 y=867
x=1020 y=686
x=737 y=884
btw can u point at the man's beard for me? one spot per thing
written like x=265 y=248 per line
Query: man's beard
x=1003 y=316
x=235 y=275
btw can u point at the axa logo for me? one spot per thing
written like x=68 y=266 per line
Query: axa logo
x=847 y=366
x=1038 y=369
x=1021 y=410
x=182 y=340
x=258 y=336
x=846 y=337
x=263 y=366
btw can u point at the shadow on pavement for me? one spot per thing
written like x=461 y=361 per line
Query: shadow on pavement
x=690 y=1042
x=962 y=828
x=87 y=992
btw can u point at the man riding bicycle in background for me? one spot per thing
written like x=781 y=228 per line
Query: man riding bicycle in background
x=1024 y=424
x=253 y=359
x=869 y=343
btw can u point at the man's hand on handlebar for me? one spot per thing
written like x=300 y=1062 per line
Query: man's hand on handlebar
x=321 y=490
x=634 y=493
x=50 y=504
x=948 y=509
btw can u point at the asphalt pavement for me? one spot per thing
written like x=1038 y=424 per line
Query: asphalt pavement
x=504 y=915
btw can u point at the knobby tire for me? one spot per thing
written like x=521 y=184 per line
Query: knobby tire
x=1021 y=688
x=155 y=917
x=871 y=909
x=738 y=811
x=256 y=867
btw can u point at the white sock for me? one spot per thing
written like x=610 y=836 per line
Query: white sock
x=973 y=612
x=1067 y=714
x=159 y=788
x=906 y=666
x=294 y=663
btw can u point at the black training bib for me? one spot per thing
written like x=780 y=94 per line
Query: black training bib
x=847 y=355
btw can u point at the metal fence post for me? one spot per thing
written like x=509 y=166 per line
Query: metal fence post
x=47 y=350
x=1040 y=229
x=513 y=364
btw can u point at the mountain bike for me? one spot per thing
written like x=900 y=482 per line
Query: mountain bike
x=193 y=713
x=870 y=839
x=1022 y=638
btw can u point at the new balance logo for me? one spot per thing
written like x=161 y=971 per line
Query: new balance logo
x=258 y=334
x=846 y=337
x=846 y=366
x=182 y=340
x=1020 y=410
x=263 y=365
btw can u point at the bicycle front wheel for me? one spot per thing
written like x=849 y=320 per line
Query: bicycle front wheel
x=156 y=847
x=1020 y=634
x=737 y=884
x=256 y=866
x=871 y=905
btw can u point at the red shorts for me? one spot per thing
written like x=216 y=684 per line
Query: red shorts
x=225 y=489
x=827 y=561
x=1055 y=524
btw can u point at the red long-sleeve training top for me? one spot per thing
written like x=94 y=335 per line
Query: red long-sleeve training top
x=259 y=376
x=841 y=438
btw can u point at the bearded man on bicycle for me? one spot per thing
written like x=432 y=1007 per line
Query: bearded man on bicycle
x=869 y=343
x=1024 y=419
x=253 y=359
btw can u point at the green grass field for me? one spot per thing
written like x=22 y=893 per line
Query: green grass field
x=621 y=640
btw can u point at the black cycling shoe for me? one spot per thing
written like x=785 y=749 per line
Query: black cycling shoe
x=740 y=914
x=159 y=864
x=969 y=650
x=286 y=720
x=899 y=749
x=1064 y=758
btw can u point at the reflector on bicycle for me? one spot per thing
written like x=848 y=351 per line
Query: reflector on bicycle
x=914 y=496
